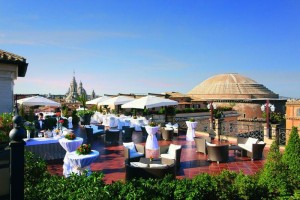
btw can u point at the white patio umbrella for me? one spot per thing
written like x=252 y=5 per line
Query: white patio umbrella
x=119 y=100
x=98 y=100
x=149 y=102
x=37 y=101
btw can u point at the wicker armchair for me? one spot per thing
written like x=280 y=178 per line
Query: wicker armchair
x=201 y=144
x=148 y=172
x=127 y=134
x=219 y=153
x=171 y=152
x=93 y=131
x=134 y=157
x=167 y=133
x=112 y=136
x=255 y=151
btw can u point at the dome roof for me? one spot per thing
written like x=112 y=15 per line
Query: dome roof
x=231 y=86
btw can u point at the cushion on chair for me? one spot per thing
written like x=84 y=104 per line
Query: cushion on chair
x=261 y=142
x=136 y=155
x=210 y=144
x=138 y=164
x=168 y=156
x=173 y=148
x=131 y=147
x=251 y=141
x=162 y=166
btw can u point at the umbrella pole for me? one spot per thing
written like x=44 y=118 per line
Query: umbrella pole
x=166 y=115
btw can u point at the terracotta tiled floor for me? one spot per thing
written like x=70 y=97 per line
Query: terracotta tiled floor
x=111 y=159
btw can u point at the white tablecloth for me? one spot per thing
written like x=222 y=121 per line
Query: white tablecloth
x=41 y=140
x=81 y=163
x=151 y=142
x=191 y=130
x=69 y=146
x=46 y=148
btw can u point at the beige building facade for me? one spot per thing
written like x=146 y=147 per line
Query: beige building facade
x=12 y=66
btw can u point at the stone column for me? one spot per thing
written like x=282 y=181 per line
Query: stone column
x=17 y=160
x=218 y=129
x=8 y=73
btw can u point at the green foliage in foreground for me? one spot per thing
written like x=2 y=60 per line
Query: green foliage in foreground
x=39 y=184
x=273 y=182
x=291 y=157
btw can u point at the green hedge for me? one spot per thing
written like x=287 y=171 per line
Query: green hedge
x=273 y=182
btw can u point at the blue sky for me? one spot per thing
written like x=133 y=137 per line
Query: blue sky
x=152 y=46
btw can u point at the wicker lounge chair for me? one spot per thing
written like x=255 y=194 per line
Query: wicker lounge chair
x=171 y=152
x=127 y=134
x=150 y=172
x=218 y=153
x=167 y=133
x=201 y=144
x=130 y=155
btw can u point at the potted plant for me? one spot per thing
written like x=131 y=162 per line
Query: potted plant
x=153 y=124
x=29 y=126
x=191 y=120
x=84 y=115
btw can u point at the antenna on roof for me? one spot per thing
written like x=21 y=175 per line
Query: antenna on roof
x=73 y=72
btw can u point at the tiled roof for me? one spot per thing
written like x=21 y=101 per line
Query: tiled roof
x=10 y=58
x=176 y=94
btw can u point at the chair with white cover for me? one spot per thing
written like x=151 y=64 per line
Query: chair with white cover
x=171 y=152
x=112 y=123
x=127 y=122
x=133 y=152
x=70 y=125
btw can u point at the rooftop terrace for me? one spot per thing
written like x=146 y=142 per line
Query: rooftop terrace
x=111 y=159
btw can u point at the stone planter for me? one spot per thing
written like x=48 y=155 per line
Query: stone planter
x=85 y=120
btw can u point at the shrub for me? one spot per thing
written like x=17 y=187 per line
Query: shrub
x=291 y=158
x=225 y=182
x=274 y=174
x=205 y=187
x=6 y=123
x=35 y=169
x=247 y=187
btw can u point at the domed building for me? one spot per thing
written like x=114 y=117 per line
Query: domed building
x=231 y=86
x=237 y=91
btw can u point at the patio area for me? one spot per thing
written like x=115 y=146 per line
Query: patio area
x=111 y=159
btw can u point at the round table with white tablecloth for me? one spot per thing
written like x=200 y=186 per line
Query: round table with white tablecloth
x=69 y=146
x=190 y=134
x=80 y=163
x=151 y=142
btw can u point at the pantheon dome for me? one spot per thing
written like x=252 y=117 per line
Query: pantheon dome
x=230 y=86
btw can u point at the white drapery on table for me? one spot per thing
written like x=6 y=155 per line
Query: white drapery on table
x=80 y=163
x=151 y=142
x=69 y=146
x=191 y=130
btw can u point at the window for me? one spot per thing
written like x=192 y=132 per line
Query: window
x=298 y=112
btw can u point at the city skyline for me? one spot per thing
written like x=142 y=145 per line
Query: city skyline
x=152 y=46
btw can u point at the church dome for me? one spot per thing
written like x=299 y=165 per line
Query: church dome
x=230 y=86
